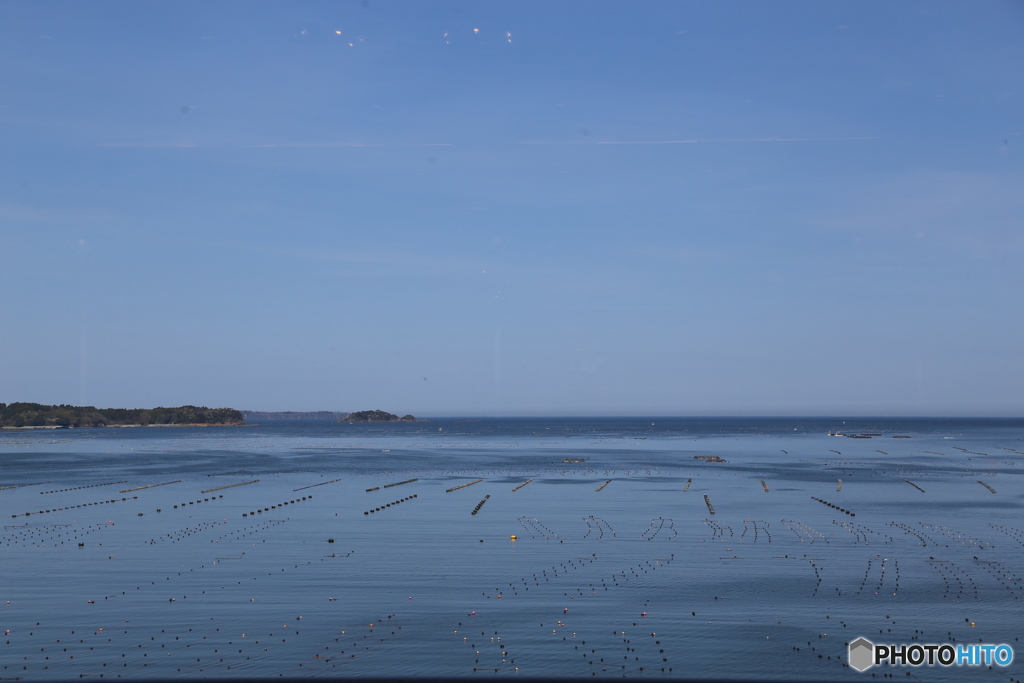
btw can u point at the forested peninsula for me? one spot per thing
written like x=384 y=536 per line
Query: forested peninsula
x=27 y=415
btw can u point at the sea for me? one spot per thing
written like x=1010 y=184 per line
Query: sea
x=662 y=548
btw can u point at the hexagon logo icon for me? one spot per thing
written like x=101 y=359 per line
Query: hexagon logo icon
x=862 y=654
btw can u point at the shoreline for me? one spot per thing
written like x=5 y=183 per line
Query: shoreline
x=189 y=424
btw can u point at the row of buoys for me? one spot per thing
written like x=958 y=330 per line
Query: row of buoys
x=792 y=525
x=480 y=504
x=528 y=522
x=598 y=524
x=462 y=486
x=139 y=488
x=831 y=505
x=32 y=534
x=718 y=529
x=387 y=505
x=764 y=486
x=231 y=486
x=986 y=486
x=861 y=532
x=273 y=507
x=839 y=486
x=1015 y=534
x=522 y=485
x=914 y=485
x=323 y=483
x=603 y=485
x=964 y=539
x=688 y=482
x=88 y=486
x=925 y=539
x=661 y=525
x=759 y=526
x=193 y=502
x=72 y=507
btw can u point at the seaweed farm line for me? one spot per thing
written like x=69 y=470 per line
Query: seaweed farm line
x=612 y=563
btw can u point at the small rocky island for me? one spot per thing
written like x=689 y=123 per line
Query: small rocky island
x=38 y=416
x=376 y=416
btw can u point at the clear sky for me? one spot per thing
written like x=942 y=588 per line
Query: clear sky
x=514 y=208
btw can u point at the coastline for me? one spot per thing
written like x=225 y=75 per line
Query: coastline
x=189 y=424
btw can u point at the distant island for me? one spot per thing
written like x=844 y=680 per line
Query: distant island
x=332 y=415
x=376 y=416
x=36 y=415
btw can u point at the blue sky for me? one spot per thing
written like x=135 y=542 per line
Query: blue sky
x=514 y=208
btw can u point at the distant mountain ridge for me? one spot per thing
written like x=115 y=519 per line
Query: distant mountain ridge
x=329 y=415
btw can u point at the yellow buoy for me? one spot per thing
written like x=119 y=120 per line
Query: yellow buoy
x=513 y=537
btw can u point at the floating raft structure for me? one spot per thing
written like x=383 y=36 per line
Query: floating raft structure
x=462 y=486
x=707 y=501
x=323 y=483
x=139 y=488
x=709 y=458
x=480 y=504
x=231 y=486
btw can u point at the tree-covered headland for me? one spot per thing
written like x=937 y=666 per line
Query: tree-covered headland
x=38 y=415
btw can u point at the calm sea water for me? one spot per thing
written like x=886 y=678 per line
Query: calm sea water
x=225 y=566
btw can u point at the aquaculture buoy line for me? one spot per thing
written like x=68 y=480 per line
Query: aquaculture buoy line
x=603 y=485
x=193 y=502
x=323 y=483
x=839 y=486
x=659 y=524
x=139 y=488
x=480 y=504
x=798 y=527
x=462 y=486
x=764 y=486
x=529 y=522
x=707 y=501
x=274 y=507
x=34 y=535
x=986 y=486
x=758 y=526
x=87 y=486
x=831 y=505
x=73 y=507
x=688 y=482
x=861 y=532
x=915 y=485
x=1015 y=534
x=230 y=486
x=387 y=505
x=521 y=485
x=599 y=525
